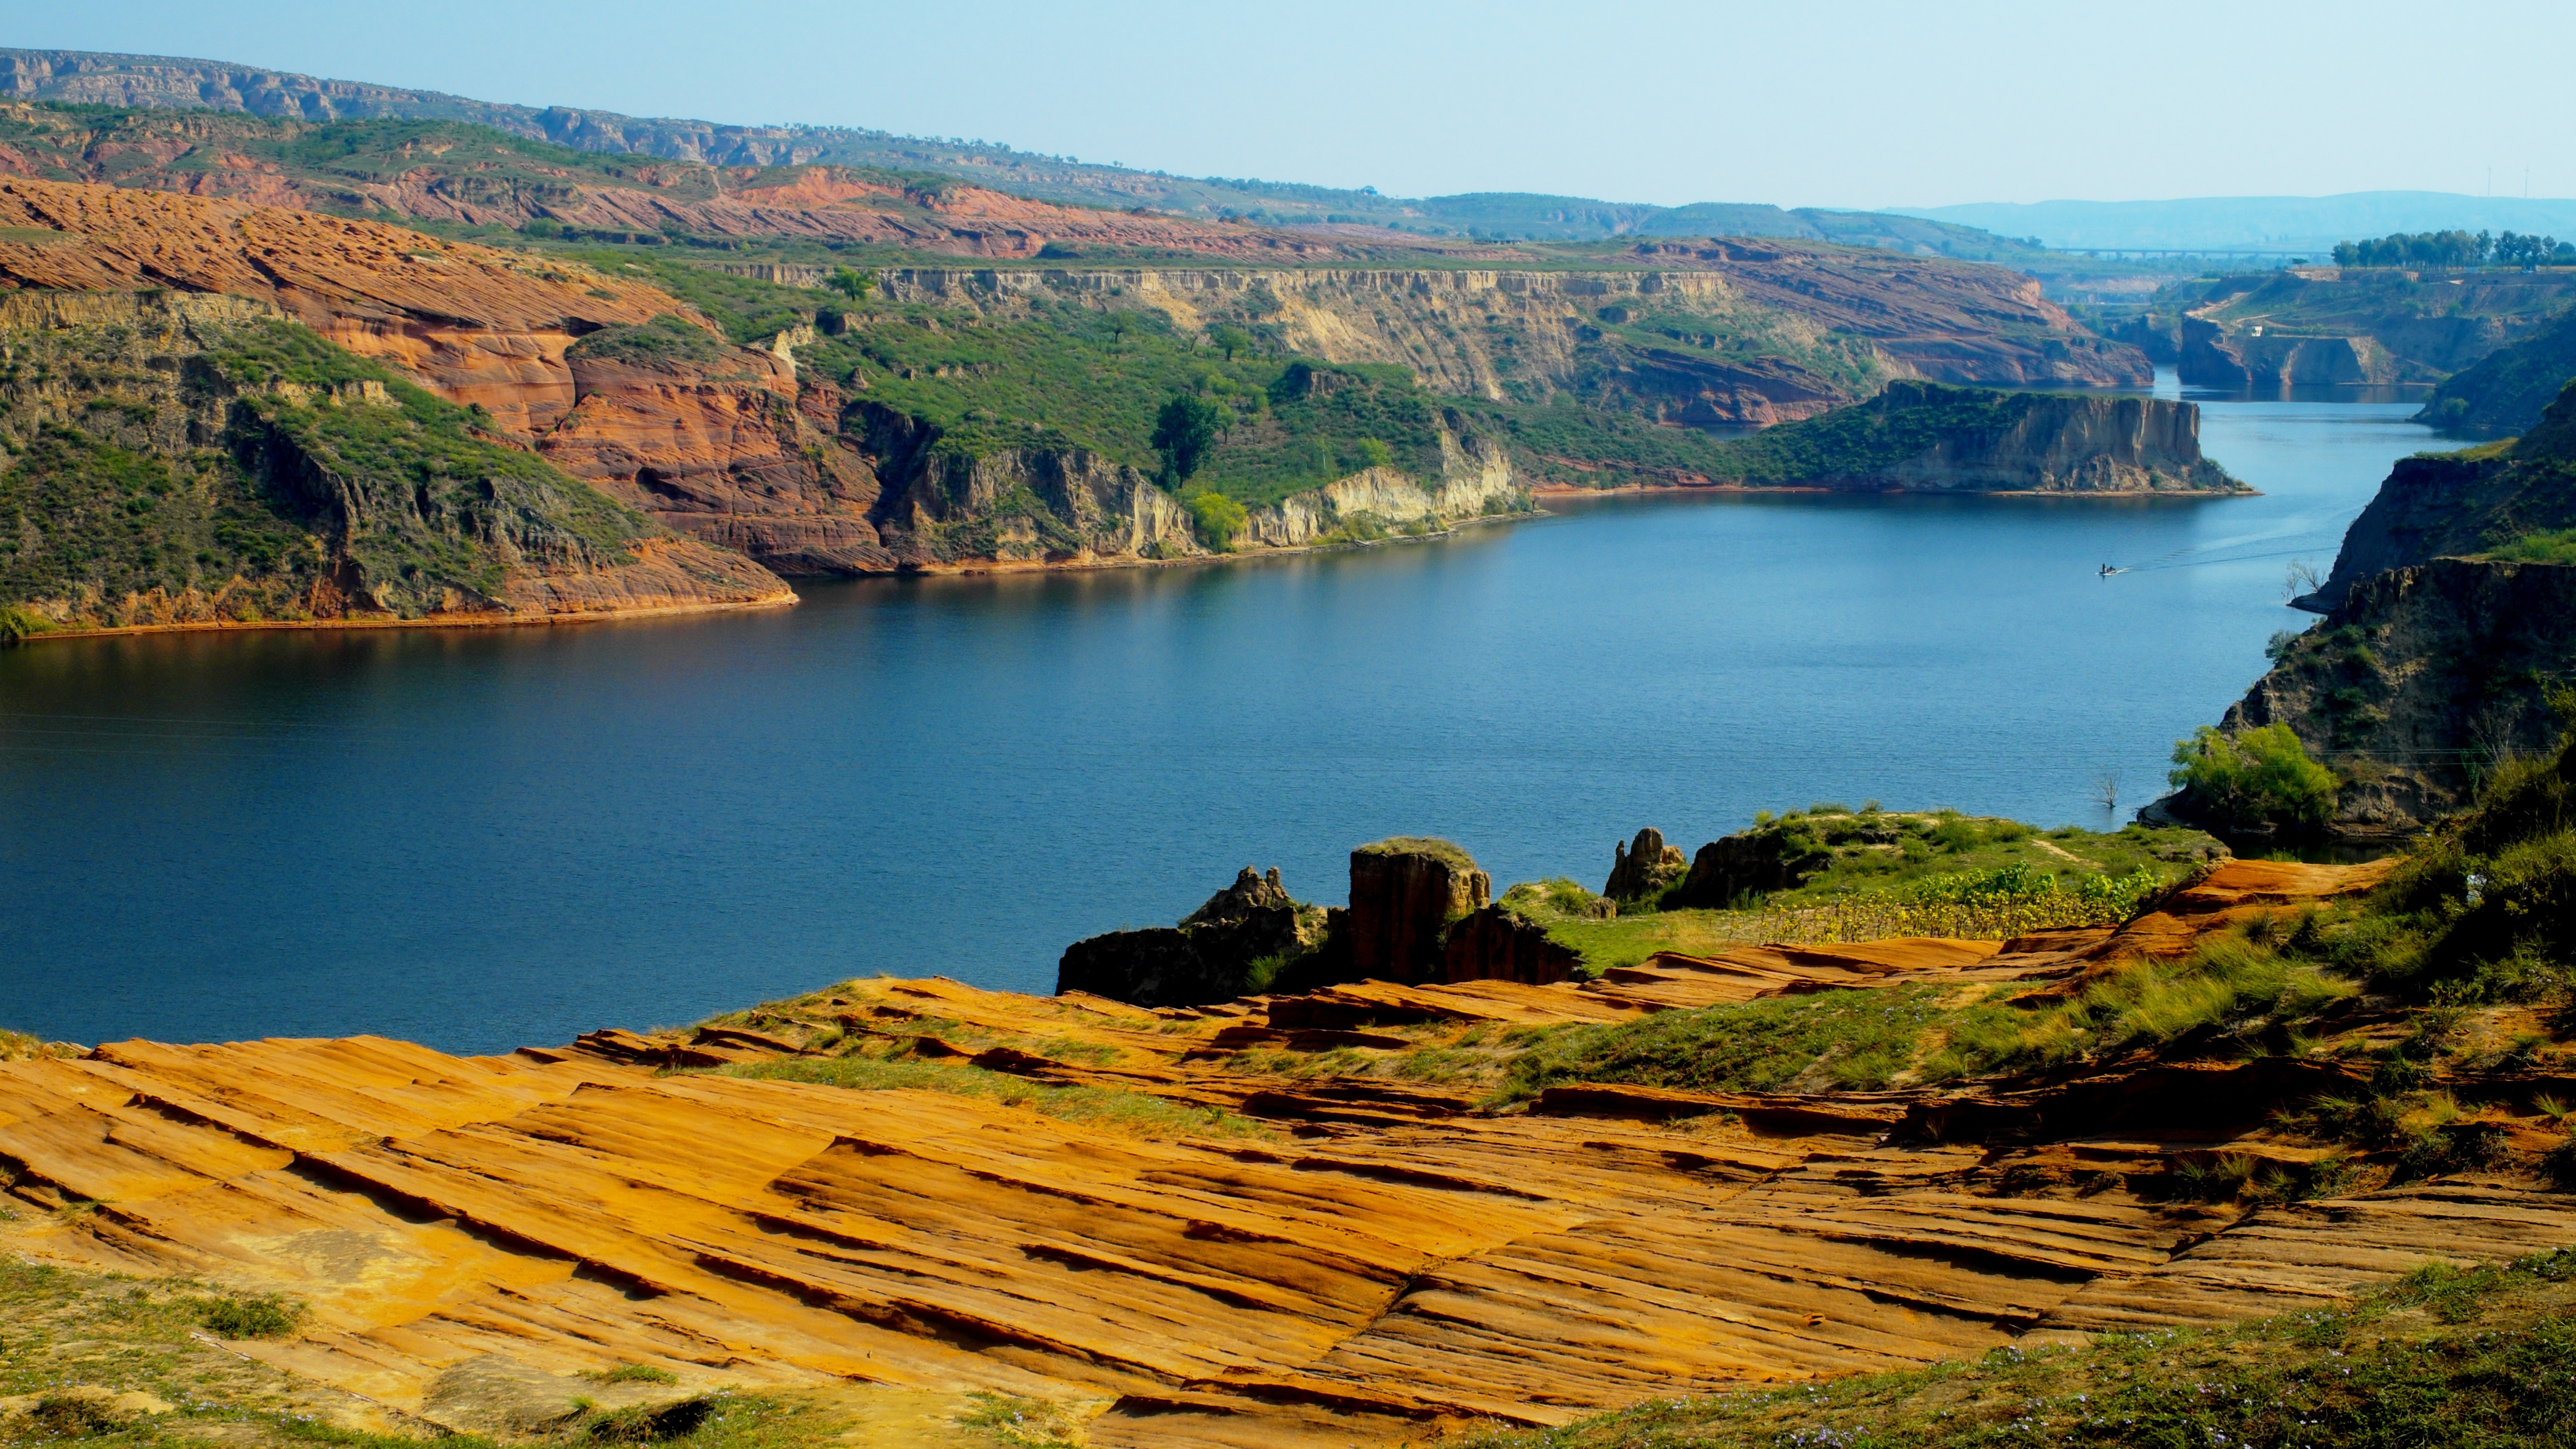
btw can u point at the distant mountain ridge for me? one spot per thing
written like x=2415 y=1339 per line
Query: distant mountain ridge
x=167 y=82
x=2304 y=225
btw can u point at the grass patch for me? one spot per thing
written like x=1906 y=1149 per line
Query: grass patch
x=665 y=341
x=2549 y=546
x=1845 y=1040
x=1133 y=1113
x=2455 y=1357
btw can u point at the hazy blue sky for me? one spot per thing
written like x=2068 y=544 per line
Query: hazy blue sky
x=1855 y=103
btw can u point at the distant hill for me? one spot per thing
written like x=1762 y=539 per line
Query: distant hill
x=165 y=82
x=2306 y=225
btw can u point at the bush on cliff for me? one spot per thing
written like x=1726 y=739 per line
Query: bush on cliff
x=2258 y=780
x=1219 y=519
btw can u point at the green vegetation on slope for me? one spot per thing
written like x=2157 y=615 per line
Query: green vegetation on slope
x=2508 y=389
x=326 y=460
x=79 y=515
x=2471 y=1358
x=1061 y=374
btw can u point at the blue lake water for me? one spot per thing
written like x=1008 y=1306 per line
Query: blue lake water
x=479 y=839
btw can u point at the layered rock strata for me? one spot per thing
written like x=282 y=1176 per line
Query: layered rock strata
x=1405 y=892
x=1531 y=334
x=1386 y=1264
x=479 y=327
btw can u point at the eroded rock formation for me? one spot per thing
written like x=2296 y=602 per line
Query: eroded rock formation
x=479 y=327
x=1405 y=892
x=1368 y=1259
x=1646 y=867
x=1210 y=956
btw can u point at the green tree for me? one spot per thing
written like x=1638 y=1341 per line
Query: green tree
x=1183 y=432
x=1219 y=518
x=2261 y=777
x=1231 y=340
x=853 y=285
x=1374 y=453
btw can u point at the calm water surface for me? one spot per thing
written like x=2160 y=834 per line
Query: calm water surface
x=479 y=839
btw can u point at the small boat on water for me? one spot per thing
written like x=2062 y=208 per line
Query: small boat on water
x=2110 y=569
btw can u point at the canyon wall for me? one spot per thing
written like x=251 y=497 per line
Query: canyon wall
x=182 y=459
x=2422 y=678
x=1826 y=325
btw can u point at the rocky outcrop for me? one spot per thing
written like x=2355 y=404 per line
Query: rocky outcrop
x=739 y=452
x=2435 y=505
x=1645 y=868
x=1405 y=893
x=2510 y=388
x=479 y=327
x=1494 y=944
x=1748 y=863
x=2216 y=357
x=2420 y=679
x=1210 y=956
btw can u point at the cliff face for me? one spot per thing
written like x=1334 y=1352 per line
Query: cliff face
x=1918 y=435
x=2331 y=326
x=2422 y=677
x=1825 y=324
x=478 y=327
x=2509 y=388
x=2439 y=504
x=184 y=459
x=740 y=453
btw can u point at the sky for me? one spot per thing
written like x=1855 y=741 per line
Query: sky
x=1855 y=104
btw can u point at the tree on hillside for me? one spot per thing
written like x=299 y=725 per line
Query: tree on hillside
x=1231 y=340
x=851 y=284
x=1183 y=431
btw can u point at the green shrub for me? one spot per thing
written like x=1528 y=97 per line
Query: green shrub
x=666 y=341
x=252 y=1315
x=18 y=623
x=1219 y=519
x=2260 y=779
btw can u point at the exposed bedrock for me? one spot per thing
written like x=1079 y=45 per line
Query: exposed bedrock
x=1645 y=867
x=738 y=452
x=1493 y=944
x=1209 y=957
x=1405 y=892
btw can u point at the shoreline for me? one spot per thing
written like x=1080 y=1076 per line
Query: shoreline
x=1091 y=565
x=1568 y=490
x=474 y=621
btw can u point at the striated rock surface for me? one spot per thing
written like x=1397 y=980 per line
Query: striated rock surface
x=735 y=450
x=1379 y=1262
x=477 y=326
x=1405 y=892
